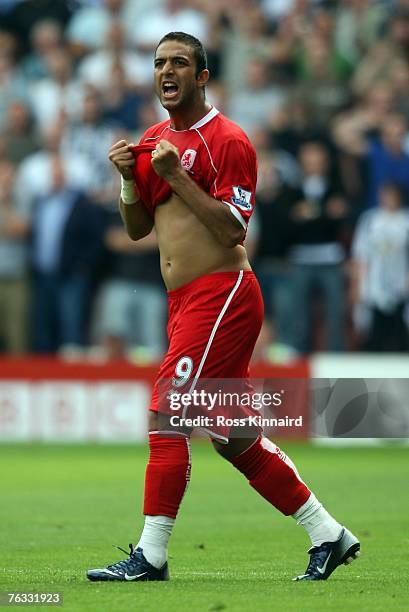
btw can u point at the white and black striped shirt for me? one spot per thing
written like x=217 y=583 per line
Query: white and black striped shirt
x=381 y=244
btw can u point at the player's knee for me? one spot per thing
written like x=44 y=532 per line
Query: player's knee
x=235 y=447
x=218 y=447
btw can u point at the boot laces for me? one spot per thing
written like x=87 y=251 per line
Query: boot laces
x=125 y=564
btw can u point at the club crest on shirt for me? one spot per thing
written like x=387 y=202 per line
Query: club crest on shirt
x=241 y=198
x=188 y=158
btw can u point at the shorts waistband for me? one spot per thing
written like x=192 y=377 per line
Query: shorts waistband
x=208 y=280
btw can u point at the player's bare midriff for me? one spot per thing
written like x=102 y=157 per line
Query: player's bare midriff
x=188 y=249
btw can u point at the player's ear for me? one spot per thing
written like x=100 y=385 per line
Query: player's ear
x=203 y=77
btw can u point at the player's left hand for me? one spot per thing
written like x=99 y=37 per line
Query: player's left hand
x=165 y=159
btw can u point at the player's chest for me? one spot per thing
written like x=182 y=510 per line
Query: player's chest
x=194 y=153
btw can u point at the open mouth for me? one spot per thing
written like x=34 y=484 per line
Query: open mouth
x=170 y=90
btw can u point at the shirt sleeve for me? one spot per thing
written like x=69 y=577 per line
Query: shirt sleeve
x=360 y=246
x=236 y=178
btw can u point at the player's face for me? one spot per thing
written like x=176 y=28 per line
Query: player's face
x=176 y=84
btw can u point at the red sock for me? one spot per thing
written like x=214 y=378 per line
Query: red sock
x=273 y=475
x=167 y=474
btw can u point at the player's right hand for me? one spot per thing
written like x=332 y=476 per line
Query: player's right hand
x=121 y=156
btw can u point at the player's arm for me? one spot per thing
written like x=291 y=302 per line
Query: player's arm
x=138 y=223
x=218 y=219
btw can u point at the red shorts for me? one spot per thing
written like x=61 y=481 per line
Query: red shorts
x=213 y=324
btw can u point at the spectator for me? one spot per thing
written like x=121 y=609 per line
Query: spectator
x=19 y=134
x=399 y=83
x=295 y=124
x=131 y=307
x=90 y=137
x=321 y=69
x=351 y=131
x=172 y=16
x=148 y=115
x=271 y=262
x=121 y=102
x=12 y=84
x=66 y=254
x=354 y=128
x=317 y=55
x=387 y=159
x=135 y=10
x=216 y=22
x=276 y=10
x=380 y=281
x=14 y=293
x=317 y=212
x=87 y=29
x=257 y=99
x=358 y=24
x=45 y=39
x=33 y=178
x=275 y=160
x=57 y=95
x=245 y=39
x=97 y=67
x=26 y=13
x=385 y=155
x=381 y=58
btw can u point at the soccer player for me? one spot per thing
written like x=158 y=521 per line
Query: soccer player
x=193 y=178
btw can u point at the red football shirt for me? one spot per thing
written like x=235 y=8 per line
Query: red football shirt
x=217 y=155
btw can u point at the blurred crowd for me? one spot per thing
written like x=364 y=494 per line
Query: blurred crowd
x=322 y=90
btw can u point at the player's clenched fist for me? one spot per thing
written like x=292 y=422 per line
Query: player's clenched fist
x=165 y=159
x=121 y=156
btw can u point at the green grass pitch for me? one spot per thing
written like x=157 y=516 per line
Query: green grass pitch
x=63 y=506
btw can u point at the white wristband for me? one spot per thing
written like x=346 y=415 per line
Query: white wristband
x=129 y=194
